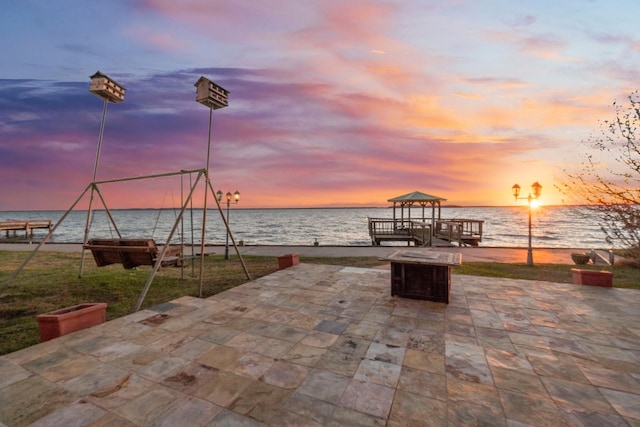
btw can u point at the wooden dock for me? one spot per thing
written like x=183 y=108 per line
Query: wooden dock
x=27 y=226
x=445 y=233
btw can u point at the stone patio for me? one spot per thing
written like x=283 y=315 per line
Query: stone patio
x=328 y=345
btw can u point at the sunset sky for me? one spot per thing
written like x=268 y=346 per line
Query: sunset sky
x=333 y=102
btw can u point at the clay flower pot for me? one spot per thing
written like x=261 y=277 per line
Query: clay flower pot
x=71 y=319
x=288 y=260
x=592 y=277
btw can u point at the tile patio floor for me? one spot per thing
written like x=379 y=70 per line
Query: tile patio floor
x=327 y=345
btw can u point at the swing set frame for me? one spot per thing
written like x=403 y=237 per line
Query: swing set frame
x=208 y=94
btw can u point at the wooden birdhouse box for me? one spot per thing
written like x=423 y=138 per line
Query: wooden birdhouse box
x=106 y=88
x=210 y=94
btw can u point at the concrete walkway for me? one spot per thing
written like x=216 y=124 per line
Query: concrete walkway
x=317 y=345
x=469 y=254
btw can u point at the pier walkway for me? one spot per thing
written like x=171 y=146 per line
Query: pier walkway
x=26 y=226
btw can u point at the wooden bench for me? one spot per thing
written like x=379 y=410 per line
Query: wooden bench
x=131 y=253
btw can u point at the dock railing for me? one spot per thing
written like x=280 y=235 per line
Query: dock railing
x=389 y=229
x=463 y=231
x=26 y=226
x=460 y=231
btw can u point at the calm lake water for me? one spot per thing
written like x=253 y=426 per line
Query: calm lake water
x=553 y=226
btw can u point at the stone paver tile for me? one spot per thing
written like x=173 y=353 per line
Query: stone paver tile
x=494 y=338
x=261 y=401
x=304 y=354
x=251 y=365
x=223 y=388
x=319 y=339
x=414 y=409
x=120 y=391
x=570 y=347
x=286 y=375
x=95 y=379
x=292 y=334
x=609 y=352
x=626 y=404
x=220 y=357
x=392 y=335
x=364 y=330
x=382 y=373
x=112 y=420
x=460 y=392
x=517 y=381
x=189 y=411
x=368 y=397
x=339 y=363
x=425 y=361
x=385 y=353
x=137 y=359
x=79 y=413
x=576 y=395
x=608 y=378
x=273 y=347
x=229 y=418
x=561 y=367
x=331 y=327
x=171 y=342
x=486 y=319
x=51 y=360
x=116 y=350
x=324 y=385
x=586 y=417
x=245 y=341
x=192 y=349
x=265 y=329
x=218 y=335
x=423 y=383
x=467 y=362
x=28 y=400
x=145 y=408
x=348 y=417
x=162 y=367
x=531 y=408
x=528 y=340
x=190 y=377
x=507 y=359
x=351 y=345
x=242 y=324
x=428 y=341
x=305 y=407
x=11 y=373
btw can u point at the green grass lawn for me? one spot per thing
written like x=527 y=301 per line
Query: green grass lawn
x=50 y=282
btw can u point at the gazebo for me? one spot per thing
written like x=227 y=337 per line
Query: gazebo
x=422 y=199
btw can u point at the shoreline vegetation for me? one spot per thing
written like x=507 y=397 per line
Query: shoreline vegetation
x=50 y=282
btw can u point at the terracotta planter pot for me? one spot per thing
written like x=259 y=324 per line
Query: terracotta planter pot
x=289 y=260
x=71 y=319
x=592 y=277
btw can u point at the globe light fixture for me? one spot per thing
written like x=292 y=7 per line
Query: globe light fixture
x=235 y=196
x=534 y=195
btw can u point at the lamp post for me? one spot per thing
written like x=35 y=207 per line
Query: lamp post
x=229 y=196
x=536 y=189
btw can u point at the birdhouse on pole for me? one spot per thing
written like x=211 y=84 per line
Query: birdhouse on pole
x=106 y=88
x=210 y=94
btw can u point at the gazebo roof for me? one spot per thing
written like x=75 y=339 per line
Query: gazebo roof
x=416 y=196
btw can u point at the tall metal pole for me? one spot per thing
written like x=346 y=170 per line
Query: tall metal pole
x=226 y=245
x=87 y=225
x=530 y=250
x=204 y=209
